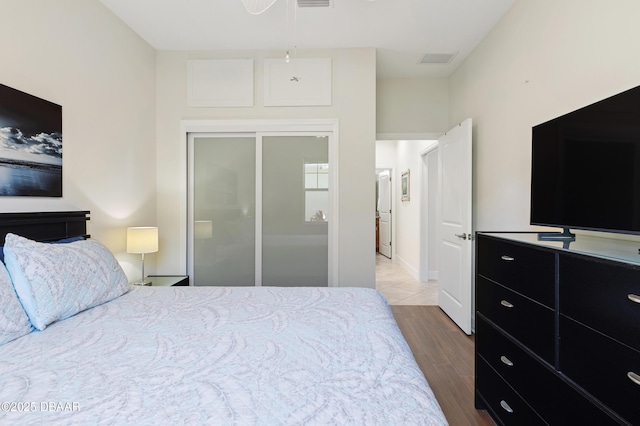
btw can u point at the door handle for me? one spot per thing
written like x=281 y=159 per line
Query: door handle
x=506 y=361
x=506 y=407
x=506 y=304
x=463 y=236
x=634 y=377
x=634 y=298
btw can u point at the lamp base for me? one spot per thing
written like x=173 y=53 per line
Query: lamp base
x=145 y=282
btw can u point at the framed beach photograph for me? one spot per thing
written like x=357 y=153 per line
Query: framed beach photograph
x=405 y=182
x=30 y=145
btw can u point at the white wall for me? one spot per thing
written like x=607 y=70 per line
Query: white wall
x=353 y=103
x=412 y=108
x=76 y=53
x=544 y=58
x=386 y=154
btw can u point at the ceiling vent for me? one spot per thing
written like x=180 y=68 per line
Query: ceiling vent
x=437 y=58
x=314 y=3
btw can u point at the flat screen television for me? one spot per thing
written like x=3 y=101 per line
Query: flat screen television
x=585 y=171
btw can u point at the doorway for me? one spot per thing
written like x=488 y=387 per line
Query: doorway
x=400 y=279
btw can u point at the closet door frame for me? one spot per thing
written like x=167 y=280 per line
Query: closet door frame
x=259 y=129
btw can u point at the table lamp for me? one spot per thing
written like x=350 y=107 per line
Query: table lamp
x=141 y=240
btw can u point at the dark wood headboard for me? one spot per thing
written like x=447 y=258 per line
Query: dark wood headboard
x=44 y=226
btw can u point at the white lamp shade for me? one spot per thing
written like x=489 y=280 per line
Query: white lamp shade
x=142 y=239
x=203 y=229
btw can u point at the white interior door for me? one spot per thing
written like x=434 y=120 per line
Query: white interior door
x=384 y=211
x=455 y=221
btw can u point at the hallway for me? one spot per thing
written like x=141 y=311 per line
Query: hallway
x=400 y=288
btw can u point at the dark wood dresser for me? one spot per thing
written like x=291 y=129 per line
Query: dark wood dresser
x=557 y=330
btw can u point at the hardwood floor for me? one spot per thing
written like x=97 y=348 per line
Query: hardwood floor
x=446 y=357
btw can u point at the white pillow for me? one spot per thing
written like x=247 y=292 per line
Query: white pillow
x=13 y=319
x=56 y=281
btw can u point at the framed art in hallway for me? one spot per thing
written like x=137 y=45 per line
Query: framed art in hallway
x=30 y=145
x=405 y=183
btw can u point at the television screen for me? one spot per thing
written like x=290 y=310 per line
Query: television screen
x=585 y=170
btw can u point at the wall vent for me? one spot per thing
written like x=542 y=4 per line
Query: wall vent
x=314 y=3
x=437 y=58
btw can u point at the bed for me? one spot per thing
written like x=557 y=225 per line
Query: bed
x=202 y=355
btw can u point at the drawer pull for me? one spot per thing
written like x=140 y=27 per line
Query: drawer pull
x=634 y=377
x=506 y=406
x=507 y=258
x=634 y=298
x=506 y=361
x=506 y=304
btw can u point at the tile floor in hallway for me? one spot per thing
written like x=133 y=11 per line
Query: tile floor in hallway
x=397 y=284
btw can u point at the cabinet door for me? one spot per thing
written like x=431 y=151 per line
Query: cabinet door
x=502 y=401
x=554 y=399
x=603 y=367
x=603 y=295
x=527 y=321
x=526 y=270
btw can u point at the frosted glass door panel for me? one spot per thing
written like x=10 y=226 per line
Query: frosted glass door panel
x=295 y=200
x=224 y=172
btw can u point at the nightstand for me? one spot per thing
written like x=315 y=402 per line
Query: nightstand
x=168 y=280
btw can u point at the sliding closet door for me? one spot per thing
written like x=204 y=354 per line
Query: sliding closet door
x=295 y=210
x=260 y=209
x=223 y=180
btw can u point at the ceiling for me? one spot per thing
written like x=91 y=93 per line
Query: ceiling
x=402 y=31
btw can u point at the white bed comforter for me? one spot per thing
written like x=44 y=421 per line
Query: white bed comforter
x=223 y=356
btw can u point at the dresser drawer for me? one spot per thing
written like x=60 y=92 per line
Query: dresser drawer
x=554 y=399
x=599 y=294
x=527 y=321
x=501 y=400
x=602 y=367
x=526 y=270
